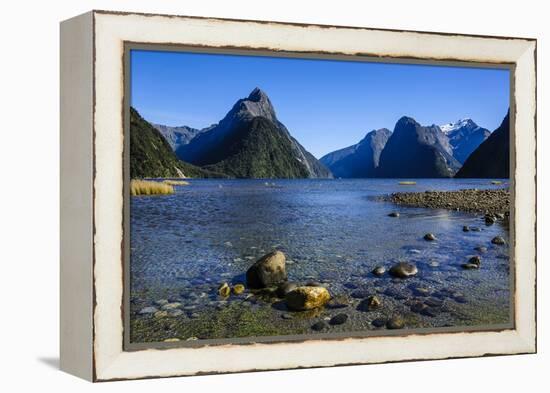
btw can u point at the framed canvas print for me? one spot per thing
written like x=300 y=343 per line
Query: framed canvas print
x=245 y=195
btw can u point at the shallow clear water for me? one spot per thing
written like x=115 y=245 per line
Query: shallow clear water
x=332 y=231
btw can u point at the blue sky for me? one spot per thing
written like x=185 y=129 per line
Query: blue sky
x=325 y=104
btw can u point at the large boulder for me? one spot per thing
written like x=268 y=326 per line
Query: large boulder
x=267 y=271
x=307 y=298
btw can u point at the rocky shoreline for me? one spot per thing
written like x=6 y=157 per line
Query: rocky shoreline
x=488 y=202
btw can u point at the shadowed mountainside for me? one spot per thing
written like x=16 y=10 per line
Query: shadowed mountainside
x=151 y=155
x=251 y=142
x=492 y=158
x=414 y=151
x=359 y=160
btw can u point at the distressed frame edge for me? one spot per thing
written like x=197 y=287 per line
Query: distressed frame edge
x=528 y=340
x=76 y=196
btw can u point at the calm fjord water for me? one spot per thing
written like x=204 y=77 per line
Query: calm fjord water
x=331 y=231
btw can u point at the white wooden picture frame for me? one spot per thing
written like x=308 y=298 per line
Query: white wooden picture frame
x=92 y=184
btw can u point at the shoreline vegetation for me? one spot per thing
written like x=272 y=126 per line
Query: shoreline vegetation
x=147 y=187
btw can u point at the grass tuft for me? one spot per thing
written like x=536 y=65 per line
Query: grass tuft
x=176 y=182
x=145 y=187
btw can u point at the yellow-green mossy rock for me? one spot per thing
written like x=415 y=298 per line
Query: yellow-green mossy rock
x=238 y=289
x=224 y=290
x=307 y=298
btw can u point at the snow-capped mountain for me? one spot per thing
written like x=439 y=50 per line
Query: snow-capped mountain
x=464 y=136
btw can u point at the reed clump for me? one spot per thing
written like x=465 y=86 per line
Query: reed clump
x=176 y=182
x=147 y=187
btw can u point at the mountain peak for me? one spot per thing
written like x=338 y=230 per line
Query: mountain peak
x=257 y=95
x=461 y=123
x=256 y=104
x=404 y=122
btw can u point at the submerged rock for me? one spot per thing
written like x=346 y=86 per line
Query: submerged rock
x=395 y=323
x=393 y=214
x=429 y=237
x=469 y=266
x=338 y=319
x=370 y=304
x=238 y=289
x=307 y=298
x=267 y=271
x=403 y=270
x=421 y=291
x=418 y=307
x=318 y=326
x=433 y=302
x=360 y=294
x=148 y=310
x=498 y=240
x=465 y=228
x=224 y=290
x=490 y=219
x=171 y=306
x=475 y=260
x=481 y=249
x=284 y=288
x=378 y=322
x=379 y=271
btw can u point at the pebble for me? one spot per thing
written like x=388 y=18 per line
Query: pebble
x=238 y=289
x=171 y=340
x=286 y=316
x=475 y=229
x=481 y=249
x=161 y=314
x=498 y=240
x=418 y=307
x=475 y=260
x=379 y=271
x=429 y=237
x=224 y=290
x=171 y=306
x=378 y=322
x=393 y=214
x=175 y=313
x=338 y=319
x=148 y=310
x=433 y=302
x=395 y=323
x=161 y=302
x=460 y=299
x=359 y=294
x=421 y=291
x=433 y=264
x=335 y=304
x=369 y=304
x=403 y=270
x=318 y=326
x=465 y=228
